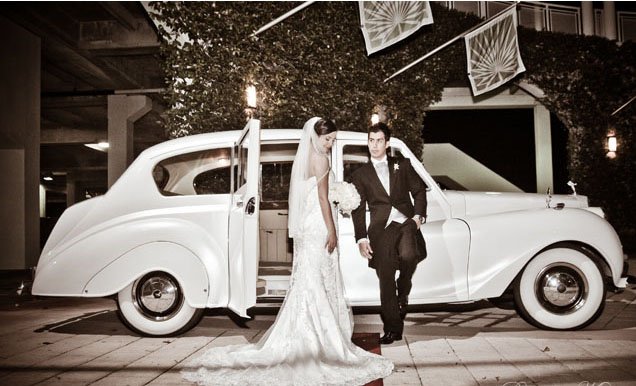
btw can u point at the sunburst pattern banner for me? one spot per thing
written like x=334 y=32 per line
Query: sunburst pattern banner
x=384 y=23
x=493 y=53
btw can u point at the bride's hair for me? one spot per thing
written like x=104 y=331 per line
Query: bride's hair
x=302 y=170
x=324 y=127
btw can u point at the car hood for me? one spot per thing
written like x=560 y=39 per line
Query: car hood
x=481 y=203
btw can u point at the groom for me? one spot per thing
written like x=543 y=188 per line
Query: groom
x=393 y=240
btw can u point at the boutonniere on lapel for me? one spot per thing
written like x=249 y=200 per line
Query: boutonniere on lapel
x=396 y=167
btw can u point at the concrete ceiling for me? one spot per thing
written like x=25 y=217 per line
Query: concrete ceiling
x=90 y=50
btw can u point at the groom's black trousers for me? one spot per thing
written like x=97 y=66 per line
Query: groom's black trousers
x=398 y=252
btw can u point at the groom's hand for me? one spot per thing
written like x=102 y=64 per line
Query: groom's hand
x=418 y=221
x=365 y=250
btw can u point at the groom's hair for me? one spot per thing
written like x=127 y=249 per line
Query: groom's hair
x=324 y=126
x=383 y=127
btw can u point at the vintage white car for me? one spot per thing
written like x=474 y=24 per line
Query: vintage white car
x=200 y=222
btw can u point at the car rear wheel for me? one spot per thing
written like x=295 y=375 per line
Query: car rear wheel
x=155 y=305
x=560 y=289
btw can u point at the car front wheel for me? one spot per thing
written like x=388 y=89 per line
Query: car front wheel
x=155 y=305
x=560 y=289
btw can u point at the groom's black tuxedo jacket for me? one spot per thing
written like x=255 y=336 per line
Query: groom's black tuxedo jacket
x=402 y=180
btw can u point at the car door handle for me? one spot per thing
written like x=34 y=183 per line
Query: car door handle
x=250 y=208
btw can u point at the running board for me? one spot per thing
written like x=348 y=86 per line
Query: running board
x=275 y=285
x=273 y=280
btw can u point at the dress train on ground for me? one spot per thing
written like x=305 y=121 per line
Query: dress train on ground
x=310 y=341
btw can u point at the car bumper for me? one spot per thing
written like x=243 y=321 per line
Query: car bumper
x=625 y=278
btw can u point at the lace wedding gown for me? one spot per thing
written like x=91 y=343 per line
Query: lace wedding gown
x=310 y=341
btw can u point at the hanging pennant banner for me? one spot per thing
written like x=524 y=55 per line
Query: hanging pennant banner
x=386 y=22
x=281 y=18
x=492 y=53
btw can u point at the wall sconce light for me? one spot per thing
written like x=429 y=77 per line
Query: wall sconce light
x=380 y=114
x=612 y=145
x=250 y=94
x=48 y=177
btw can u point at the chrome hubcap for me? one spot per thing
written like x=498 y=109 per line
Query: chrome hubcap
x=157 y=296
x=561 y=288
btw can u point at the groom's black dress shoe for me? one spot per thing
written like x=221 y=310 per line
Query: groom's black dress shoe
x=402 y=310
x=390 y=337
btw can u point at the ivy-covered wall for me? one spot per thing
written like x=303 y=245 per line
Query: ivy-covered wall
x=585 y=79
x=315 y=63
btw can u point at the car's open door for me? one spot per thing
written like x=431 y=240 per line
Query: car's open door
x=243 y=247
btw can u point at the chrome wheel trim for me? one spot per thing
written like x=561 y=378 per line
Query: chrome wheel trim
x=561 y=288
x=157 y=296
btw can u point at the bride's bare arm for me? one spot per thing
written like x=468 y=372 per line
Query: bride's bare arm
x=320 y=168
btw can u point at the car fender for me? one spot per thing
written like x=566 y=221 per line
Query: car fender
x=168 y=257
x=502 y=244
x=66 y=271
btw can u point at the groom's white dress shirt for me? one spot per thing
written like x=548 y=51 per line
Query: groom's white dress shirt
x=382 y=169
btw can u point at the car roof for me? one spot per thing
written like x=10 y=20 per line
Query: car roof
x=198 y=140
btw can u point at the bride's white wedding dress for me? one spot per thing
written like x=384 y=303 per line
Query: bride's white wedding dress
x=310 y=341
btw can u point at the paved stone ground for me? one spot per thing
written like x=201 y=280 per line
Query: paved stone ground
x=82 y=342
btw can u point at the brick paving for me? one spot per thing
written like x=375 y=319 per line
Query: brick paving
x=82 y=342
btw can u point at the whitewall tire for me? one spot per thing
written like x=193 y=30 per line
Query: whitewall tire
x=155 y=305
x=561 y=289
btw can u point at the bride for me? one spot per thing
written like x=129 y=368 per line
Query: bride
x=310 y=341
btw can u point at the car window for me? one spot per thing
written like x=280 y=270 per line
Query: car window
x=201 y=172
x=275 y=185
x=276 y=165
x=354 y=156
x=241 y=176
x=397 y=153
x=434 y=211
x=213 y=181
x=160 y=175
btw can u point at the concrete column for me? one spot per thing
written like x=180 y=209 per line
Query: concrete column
x=71 y=190
x=19 y=146
x=543 y=148
x=12 y=204
x=123 y=111
x=609 y=19
x=587 y=16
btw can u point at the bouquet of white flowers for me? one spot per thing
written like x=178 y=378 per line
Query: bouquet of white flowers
x=345 y=196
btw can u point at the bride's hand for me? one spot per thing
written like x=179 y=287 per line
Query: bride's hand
x=332 y=242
